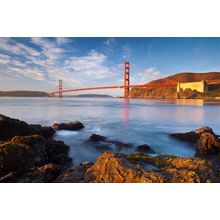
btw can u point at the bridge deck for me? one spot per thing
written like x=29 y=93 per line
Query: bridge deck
x=115 y=87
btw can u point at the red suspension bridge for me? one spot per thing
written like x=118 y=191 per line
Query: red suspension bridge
x=127 y=86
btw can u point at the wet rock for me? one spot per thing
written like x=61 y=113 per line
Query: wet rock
x=9 y=178
x=114 y=168
x=189 y=137
x=180 y=170
x=23 y=153
x=97 y=138
x=144 y=148
x=74 y=175
x=203 y=129
x=193 y=136
x=71 y=126
x=13 y=127
x=57 y=152
x=44 y=174
x=106 y=143
x=208 y=144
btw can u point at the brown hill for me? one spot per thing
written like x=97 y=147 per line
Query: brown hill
x=188 y=77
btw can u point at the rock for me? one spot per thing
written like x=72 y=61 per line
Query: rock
x=74 y=175
x=203 y=129
x=13 y=127
x=114 y=168
x=144 y=148
x=189 y=137
x=57 y=152
x=208 y=144
x=23 y=153
x=9 y=178
x=44 y=174
x=71 y=126
x=180 y=170
x=97 y=138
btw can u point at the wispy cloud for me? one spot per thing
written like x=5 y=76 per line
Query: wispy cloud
x=47 y=61
x=146 y=76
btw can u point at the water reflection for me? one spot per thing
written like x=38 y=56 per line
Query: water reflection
x=125 y=110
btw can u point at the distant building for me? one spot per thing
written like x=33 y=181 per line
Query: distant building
x=200 y=86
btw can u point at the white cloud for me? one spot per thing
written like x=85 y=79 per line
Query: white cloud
x=146 y=76
x=110 y=41
x=48 y=61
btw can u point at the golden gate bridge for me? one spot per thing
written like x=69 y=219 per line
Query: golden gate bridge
x=126 y=86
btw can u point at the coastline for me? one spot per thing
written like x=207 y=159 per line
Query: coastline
x=47 y=160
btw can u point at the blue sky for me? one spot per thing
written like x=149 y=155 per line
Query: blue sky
x=38 y=63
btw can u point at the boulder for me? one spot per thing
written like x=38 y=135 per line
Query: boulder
x=114 y=168
x=71 y=126
x=189 y=137
x=203 y=129
x=97 y=138
x=43 y=174
x=23 y=153
x=74 y=175
x=13 y=127
x=207 y=144
x=144 y=148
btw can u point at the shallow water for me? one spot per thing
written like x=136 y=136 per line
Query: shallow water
x=135 y=121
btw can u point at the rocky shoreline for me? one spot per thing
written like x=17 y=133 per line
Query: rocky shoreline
x=28 y=154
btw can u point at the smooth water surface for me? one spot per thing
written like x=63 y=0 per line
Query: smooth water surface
x=135 y=121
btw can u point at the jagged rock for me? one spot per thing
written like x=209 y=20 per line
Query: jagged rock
x=189 y=137
x=97 y=138
x=71 y=126
x=44 y=174
x=193 y=136
x=114 y=168
x=9 y=178
x=203 y=129
x=13 y=127
x=23 y=153
x=207 y=144
x=180 y=170
x=57 y=152
x=144 y=148
x=74 y=175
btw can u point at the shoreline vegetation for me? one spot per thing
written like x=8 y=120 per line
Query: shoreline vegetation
x=29 y=154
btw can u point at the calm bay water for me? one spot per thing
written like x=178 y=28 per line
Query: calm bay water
x=135 y=121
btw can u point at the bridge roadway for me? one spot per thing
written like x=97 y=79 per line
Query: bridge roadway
x=114 y=87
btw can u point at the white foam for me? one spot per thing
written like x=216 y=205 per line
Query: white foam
x=66 y=133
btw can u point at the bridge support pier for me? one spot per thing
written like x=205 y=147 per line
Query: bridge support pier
x=60 y=88
x=126 y=79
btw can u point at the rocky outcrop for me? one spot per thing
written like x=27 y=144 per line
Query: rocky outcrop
x=144 y=148
x=71 y=126
x=193 y=137
x=13 y=127
x=114 y=168
x=103 y=143
x=23 y=153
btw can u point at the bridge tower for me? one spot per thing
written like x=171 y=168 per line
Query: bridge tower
x=126 y=79
x=60 y=88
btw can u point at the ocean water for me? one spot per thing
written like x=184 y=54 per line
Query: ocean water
x=134 y=121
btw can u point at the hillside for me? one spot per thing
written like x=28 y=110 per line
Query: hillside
x=170 y=92
x=188 y=77
x=23 y=94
